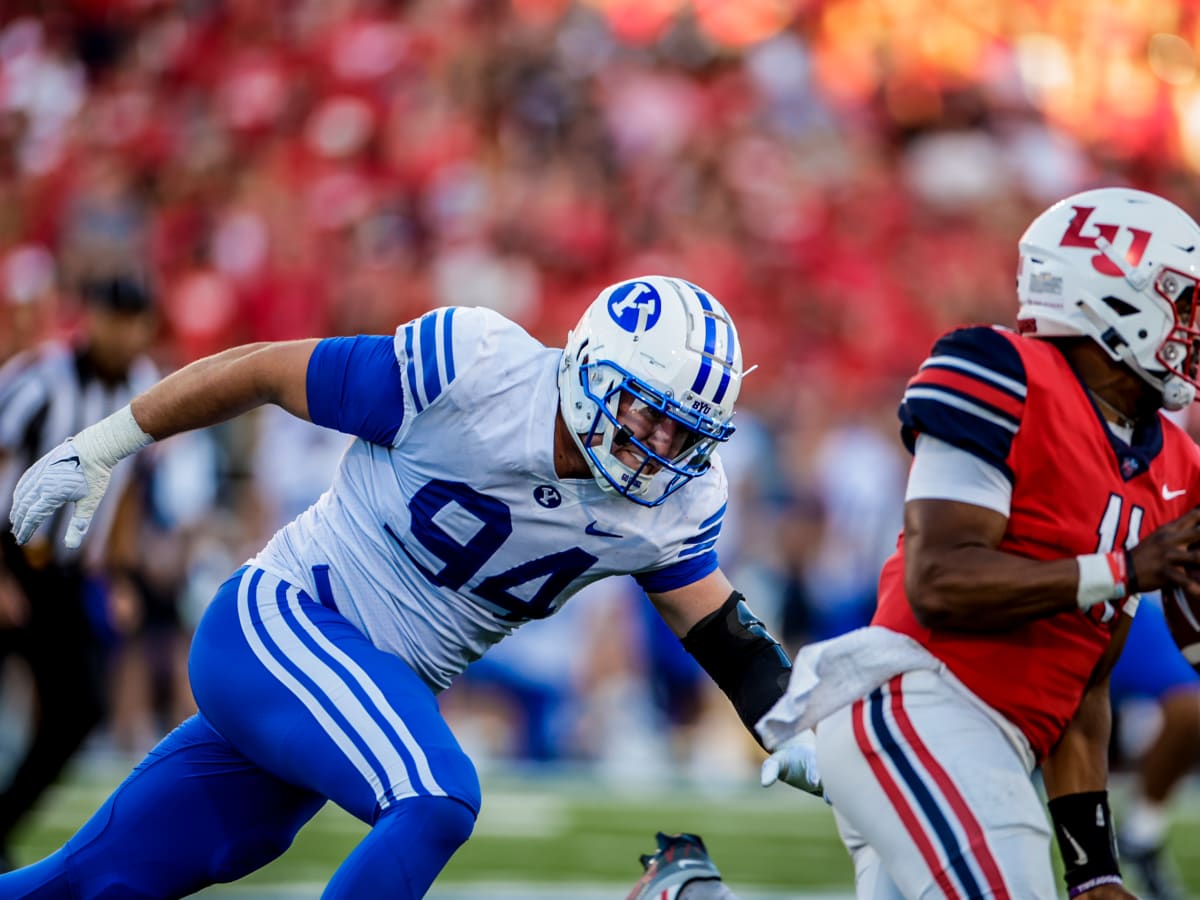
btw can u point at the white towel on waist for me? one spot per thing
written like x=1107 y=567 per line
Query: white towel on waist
x=828 y=675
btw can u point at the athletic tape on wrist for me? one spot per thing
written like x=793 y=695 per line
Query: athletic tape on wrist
x=1102 y=577
x=111 y=439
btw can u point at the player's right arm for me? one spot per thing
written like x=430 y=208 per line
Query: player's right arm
x=956 y=578
x=961 y=414
x=203 y=393
x=225 y=385
x=371 y=386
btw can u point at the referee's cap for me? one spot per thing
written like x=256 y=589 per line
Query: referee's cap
x=118 y=293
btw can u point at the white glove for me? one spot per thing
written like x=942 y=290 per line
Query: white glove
x=56 y=479
x=77 y=470
x=794 y=762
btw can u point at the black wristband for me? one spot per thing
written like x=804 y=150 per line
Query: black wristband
x=742 y=657
x=1083 y=827
x=1131 y=582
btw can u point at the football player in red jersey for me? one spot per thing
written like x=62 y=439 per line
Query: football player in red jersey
x=1046 y=491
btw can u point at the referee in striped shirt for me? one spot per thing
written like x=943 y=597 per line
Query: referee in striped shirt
x=47 y=394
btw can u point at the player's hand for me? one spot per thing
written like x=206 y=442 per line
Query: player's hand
x=794 y=762
x=1162 y=558
x=58 y=478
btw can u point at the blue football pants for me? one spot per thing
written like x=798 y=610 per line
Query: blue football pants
x=1150 y=666
x=296 y=707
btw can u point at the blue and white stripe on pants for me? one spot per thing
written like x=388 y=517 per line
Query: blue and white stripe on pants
x=300 y=691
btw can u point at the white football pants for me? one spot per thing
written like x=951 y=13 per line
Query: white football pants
x=933 y=797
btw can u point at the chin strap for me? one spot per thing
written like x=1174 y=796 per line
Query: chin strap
x=1176 y=392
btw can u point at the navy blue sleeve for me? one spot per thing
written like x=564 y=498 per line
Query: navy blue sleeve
x=970 y=392
x=355 y=386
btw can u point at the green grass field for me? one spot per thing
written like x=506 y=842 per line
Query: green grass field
x=572 y=837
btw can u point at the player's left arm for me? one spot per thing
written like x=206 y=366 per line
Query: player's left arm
x=1076 y=777
x=732 y=645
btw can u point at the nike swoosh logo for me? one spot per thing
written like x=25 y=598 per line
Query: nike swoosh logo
x=1188 y=249
x=1081 y=857
x=596 y=532
x=1171 y=495
x=66 y=459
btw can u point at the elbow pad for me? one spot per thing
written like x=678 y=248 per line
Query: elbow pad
x=742 y=657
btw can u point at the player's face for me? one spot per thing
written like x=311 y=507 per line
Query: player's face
x=652 y=427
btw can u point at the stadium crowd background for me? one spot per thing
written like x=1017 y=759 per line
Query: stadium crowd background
x=848 y=176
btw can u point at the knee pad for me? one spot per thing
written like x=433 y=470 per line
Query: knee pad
x=443 y=820
x=456 y=776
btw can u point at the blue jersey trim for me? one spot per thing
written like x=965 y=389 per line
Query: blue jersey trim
x=448 y=344
x=354 y=386
x=411 y=369
x=429 y=358
x=677 y=575
x=709 y=534
x=715 y=517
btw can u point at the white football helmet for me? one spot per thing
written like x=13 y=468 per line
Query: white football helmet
x=1119 y=266
x=672 y=348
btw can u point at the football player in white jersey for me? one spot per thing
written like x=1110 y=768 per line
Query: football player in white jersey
x=492 y=478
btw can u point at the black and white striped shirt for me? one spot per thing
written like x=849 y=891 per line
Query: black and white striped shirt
x=48 y=394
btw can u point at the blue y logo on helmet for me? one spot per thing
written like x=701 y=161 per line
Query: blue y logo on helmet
x=635 y=306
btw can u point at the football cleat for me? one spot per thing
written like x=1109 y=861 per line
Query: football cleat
x=680 y=862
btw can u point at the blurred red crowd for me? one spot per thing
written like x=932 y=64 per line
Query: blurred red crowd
x=287 y=168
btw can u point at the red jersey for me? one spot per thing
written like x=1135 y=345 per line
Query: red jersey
x=1017 y=404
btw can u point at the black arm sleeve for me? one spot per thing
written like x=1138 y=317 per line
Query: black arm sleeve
x=740 y=655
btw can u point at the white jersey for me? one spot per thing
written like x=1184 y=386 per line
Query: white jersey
x=446 y=526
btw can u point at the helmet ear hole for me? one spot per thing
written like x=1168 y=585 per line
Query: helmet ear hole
x=1120 y=307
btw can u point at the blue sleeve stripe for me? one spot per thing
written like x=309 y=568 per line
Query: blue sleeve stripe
x=411 y=368
x=699 y=548
x=922 y=395
x=715 y=517
x=429 y=357
x=677 y=575
x=448 y=345
x=709 y=534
